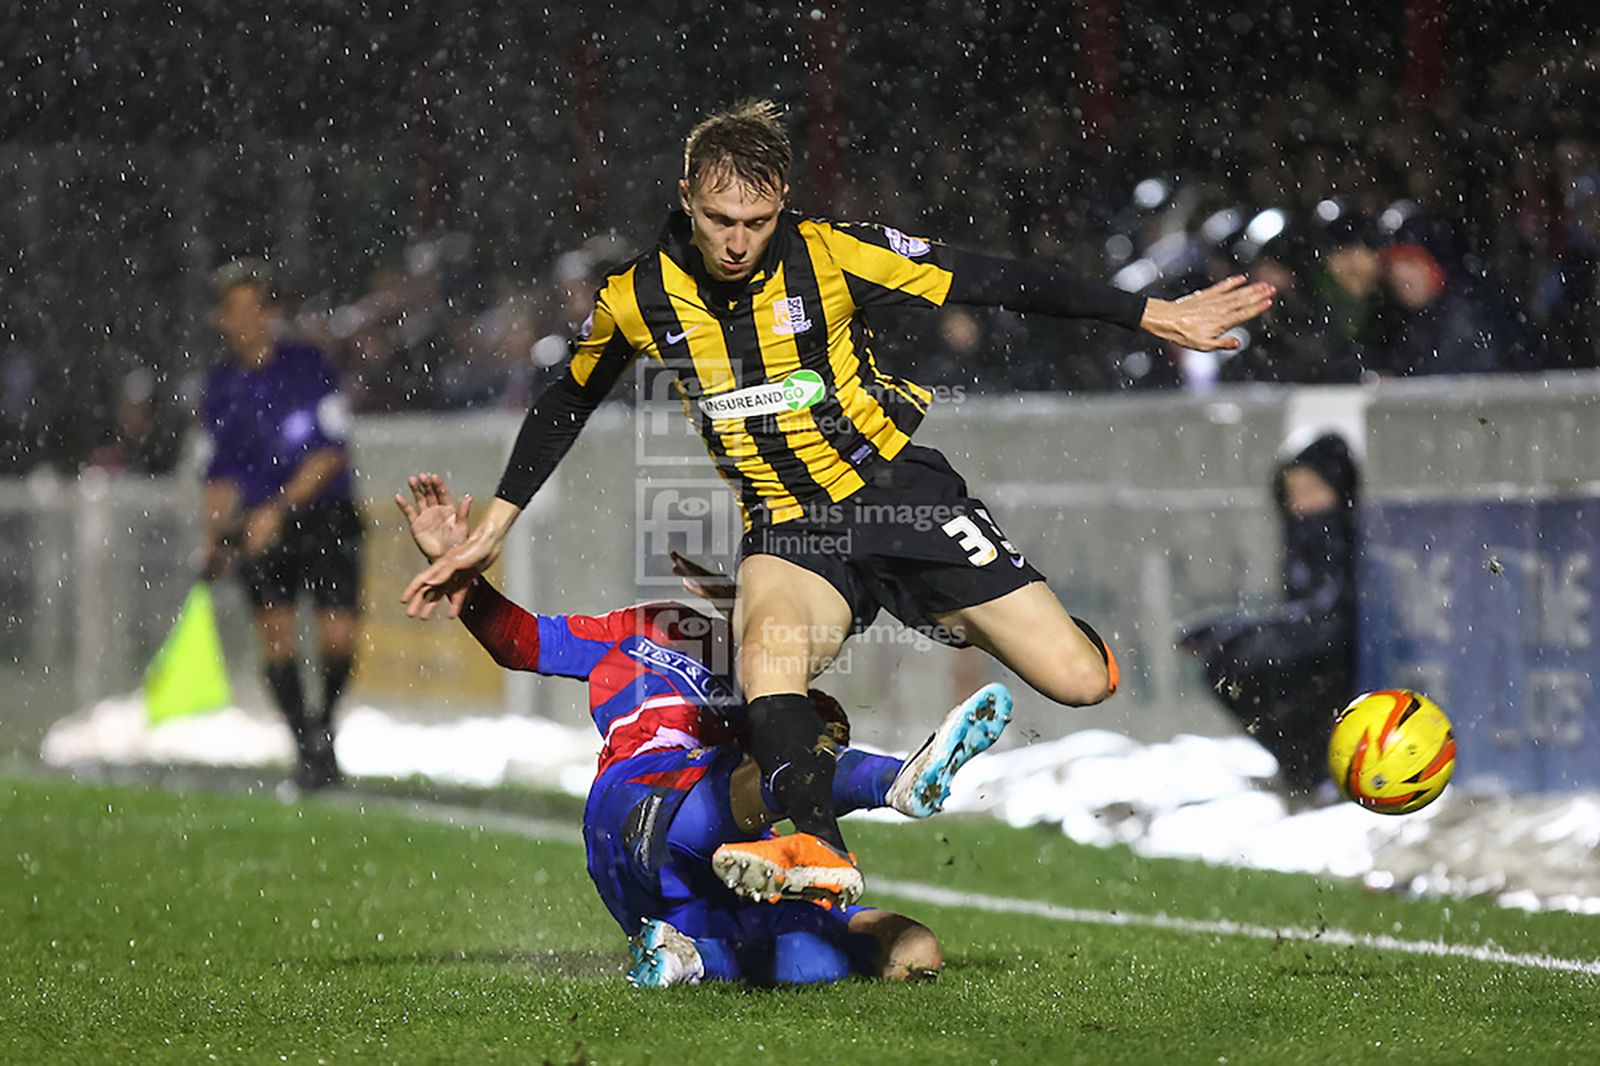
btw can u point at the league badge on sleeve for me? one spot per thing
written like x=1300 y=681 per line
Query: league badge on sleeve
x=910 y=247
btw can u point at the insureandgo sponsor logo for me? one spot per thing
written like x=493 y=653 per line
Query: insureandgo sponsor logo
x=796 y=392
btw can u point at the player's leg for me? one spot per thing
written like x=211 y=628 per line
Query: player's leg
x=790 y=623
x=969 y=729
x=276 y=630
x=862 y=782
x=329 y=543
x=953 y=570
x=270 y=586
x=1029 y=631
x=917 y=786
x=795 y=944
x=337 y=628
x=893 y=947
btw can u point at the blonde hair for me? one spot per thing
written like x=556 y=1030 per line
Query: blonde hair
x=745 y=143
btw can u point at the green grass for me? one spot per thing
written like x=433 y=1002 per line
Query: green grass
x=139 y=924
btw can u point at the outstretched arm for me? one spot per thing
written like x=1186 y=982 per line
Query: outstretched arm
x=1196 y=321
x=438 y=524
x=885 y=266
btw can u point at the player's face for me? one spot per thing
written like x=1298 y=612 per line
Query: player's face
x=245 y=318
x=732 y=223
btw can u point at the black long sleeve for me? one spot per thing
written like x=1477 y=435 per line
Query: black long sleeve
x=1048 y=288
x=548 y=432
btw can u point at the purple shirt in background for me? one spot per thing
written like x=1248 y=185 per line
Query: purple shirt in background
x=263 y=423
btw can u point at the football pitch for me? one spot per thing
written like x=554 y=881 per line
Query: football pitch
x=146 y=924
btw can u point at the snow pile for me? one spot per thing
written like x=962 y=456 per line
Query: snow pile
x=1191 y=797
x=117 y=732
x=1209 y=798
x=478 y=751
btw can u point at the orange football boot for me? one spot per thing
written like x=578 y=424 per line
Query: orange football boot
x=797 y=866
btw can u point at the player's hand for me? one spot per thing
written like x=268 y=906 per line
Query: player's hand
x=452 y=574
x=704 y=582
x=216 y=557
x=262 y=528
x=437 y=523
x=1199 y=320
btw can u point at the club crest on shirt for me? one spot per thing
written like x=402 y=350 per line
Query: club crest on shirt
x=910 y=247
x=789 y=316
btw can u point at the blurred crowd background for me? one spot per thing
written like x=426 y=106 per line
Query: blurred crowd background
x=438 y=189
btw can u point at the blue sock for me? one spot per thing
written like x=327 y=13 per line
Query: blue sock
x=860 y=782
x=863 y=780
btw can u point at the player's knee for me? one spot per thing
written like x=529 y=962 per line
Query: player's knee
x=1074 y=681
x=895 y=947
x=913 y=955
x=1085 y=675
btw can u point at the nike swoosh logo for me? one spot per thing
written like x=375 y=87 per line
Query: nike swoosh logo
x=674 y=338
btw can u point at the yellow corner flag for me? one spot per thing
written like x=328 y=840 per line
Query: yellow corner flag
x=188 y=674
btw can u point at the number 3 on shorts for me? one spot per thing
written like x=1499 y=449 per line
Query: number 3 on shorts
x=979 y=548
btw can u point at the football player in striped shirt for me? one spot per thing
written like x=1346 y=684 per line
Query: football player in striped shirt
x=762 y=316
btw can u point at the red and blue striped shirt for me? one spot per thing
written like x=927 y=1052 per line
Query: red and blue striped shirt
x=645 y=693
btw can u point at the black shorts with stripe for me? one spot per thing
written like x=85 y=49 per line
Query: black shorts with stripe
x=911 y=542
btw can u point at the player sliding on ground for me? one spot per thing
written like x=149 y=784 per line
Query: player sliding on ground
x=758 y=311
x=675 y=783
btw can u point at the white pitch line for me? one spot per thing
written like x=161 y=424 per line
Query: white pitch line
x=541 y=829
x=560 y=832
x=947 y=897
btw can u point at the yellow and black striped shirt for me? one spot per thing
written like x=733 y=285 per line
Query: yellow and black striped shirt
x=777 y=371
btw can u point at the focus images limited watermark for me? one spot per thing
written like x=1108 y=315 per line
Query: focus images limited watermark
x=695 y=517
x=829 y=528
x=662 y=435
x=774 y=644
x=705 y=638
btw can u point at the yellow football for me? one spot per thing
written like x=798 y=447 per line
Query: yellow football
x=1392 y=751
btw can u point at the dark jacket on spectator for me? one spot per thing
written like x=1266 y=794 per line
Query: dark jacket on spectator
x=1285 y=672
x=1295 y=343
x=1452 y=335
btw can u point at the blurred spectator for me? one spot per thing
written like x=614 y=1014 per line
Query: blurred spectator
x=1331 y=314
x=1002 y=158
x=1573 y=285
x=1292 y=342
x=1348 y=280
x=21 y=420
x=147 y=436
x=1283 y=673
x=392 y=338
x=501 y=344
x=1445 y=326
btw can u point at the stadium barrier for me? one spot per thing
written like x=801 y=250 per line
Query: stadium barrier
x=1478 y=580
x=1140 y=509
